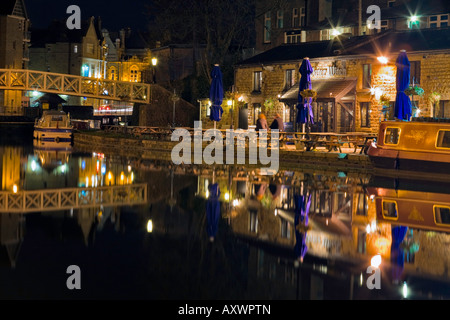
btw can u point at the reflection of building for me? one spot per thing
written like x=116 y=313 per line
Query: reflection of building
x=11 y=173
x=11 y=237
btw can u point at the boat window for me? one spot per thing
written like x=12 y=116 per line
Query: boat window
x=442 y=215
x=57 y=118
x=390 y=209
x=392 y=136
x=443 y=139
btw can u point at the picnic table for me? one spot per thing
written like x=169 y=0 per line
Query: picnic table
x=331 y=141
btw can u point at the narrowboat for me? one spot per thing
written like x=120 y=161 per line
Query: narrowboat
x=417 y=207
x=421 y=145
x=54 y=126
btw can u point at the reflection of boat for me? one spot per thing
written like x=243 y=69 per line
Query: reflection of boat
x=407 y=203
x=53 y=126
x=52 y=154
x=412 y=146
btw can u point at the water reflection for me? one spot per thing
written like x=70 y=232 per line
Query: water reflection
x=296 y=235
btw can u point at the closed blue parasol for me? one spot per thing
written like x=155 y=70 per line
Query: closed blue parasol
x=304 y=107
x=397 y=255
x=403 y=107
x=301 y=221
x=212 y=211
x=216 y=94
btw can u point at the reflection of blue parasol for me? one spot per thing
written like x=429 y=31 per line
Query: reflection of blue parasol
x=212 y=211
x=397 y=254
x=403 y=108
x=216 y=94
x=304 y=108
x=301 y=220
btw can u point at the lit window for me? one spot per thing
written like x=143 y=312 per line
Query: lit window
x=365 y=114
x=75 y=49
x=390 y=209
x=392 y=136
x=134 y=74
x=443 y=139
x=442 y=215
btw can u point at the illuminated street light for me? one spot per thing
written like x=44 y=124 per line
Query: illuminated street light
x=15 y=188
x=383 y=60
x=335 y=32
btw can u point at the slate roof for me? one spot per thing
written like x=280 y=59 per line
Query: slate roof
x=385 y=43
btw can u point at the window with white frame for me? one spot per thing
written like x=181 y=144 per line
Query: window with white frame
x=295 y=18
x=289 y=78
x=257 y=81
x=267 y=27
x=438 y=21
x=302 y=17
x=280 y=18
x=291 y=37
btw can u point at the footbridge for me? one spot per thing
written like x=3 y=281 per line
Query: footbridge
x=30 y=80
x=27 y=201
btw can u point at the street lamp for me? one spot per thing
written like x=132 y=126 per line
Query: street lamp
x=154 y=63
x=230 y=104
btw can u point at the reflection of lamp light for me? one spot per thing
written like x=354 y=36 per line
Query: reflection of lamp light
x=15 y=188
x=375 y=261
x=405 y=290
x=227 y=196
x=229 y=103
x=149 y=226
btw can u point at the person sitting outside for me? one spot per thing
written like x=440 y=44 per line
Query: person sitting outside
x=278 y=124
x=261 y=123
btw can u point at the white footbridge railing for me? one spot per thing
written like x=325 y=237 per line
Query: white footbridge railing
x=72 y=198
x=30 y=80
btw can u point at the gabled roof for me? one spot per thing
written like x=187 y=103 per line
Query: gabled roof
x=384 y=43
x=13 y=7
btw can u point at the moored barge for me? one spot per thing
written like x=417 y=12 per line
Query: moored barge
x=421 y=145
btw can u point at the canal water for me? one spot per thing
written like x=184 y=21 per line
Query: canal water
x=77 y=224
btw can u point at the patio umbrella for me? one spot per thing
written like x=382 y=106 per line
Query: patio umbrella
x=397 y=255
x=216 y=95
x=212 y=211
x=301 y=220
x=403 y=108
x=304 y=108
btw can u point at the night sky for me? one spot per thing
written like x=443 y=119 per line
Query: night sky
x=115 y=14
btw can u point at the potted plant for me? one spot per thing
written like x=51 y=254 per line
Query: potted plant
x=309 y=93
x=414 y=91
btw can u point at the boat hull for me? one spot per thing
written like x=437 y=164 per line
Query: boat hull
x=409 y=161
x=53 y=134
